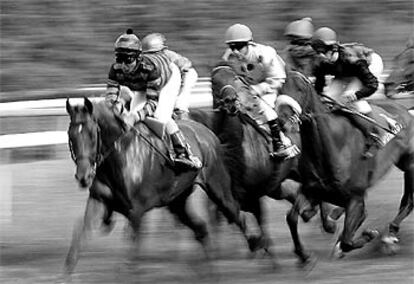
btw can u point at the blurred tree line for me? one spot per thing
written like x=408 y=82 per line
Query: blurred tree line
x=64 y=43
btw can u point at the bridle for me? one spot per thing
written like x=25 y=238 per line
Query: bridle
x=226 y=87
x=100 y=157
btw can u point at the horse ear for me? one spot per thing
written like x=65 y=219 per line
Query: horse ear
x=68 y=107
x=88 y=105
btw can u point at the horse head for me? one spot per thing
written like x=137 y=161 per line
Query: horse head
x=87 y=122
x=225 y=97
x=298 y=99
x=84 y=138
x=230 y=86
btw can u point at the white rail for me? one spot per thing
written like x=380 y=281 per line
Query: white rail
x=201 y=97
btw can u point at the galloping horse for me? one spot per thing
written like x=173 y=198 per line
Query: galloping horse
x=128 y=171
x=332 y=166
x=246 y=151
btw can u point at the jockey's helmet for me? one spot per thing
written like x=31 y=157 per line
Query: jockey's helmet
x=128 y=43
x=153 y=42
x=327 y=35
x=302 y=28
x=238 y=33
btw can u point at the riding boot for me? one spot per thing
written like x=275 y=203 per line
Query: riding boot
x=282 y=146
x=183 y=157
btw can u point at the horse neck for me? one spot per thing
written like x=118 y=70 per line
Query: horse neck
x=110 y=132
x=244 y=146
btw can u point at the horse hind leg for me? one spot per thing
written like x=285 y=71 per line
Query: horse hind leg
x=390 y=239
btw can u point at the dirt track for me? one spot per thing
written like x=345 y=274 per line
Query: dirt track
x=46 y=201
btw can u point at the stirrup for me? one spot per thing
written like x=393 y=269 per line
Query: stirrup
x=285 y=152
x=191 y=163
x=374 y=144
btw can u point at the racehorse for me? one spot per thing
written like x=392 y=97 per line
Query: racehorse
x=333 y=169
x=128 y=170
x=246 y=150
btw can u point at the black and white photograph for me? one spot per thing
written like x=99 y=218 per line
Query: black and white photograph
x=195 y=141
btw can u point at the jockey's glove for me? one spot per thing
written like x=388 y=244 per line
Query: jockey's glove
x=349 y=97
x=130 y=118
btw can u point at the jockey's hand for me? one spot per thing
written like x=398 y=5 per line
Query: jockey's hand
x=125 y=94
x=349 y=97
x=130 y=118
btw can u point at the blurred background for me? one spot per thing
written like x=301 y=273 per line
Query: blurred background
x=55 y=44
x=62 y=43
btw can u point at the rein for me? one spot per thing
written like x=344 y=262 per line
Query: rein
x=157 y=150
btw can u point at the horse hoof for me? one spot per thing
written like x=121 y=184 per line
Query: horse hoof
x=337 y=252
x=256 y=243
x=307 y=262
x=329 y=226
x=371 y=234
x=390 y=245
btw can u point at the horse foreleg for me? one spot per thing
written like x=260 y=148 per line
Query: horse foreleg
x=94 y=214
x=328 y=223
x=263 y=240
x=406 y=207
x=292 y=220
x=354 y=216
x=193 y=221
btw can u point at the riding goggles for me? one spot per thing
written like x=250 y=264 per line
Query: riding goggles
x=237 y=45
x=125 y=58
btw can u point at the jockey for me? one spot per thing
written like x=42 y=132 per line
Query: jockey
x=353 y=82
x=241 y=48
x=299 y=53
x=156 y=42
x=156 y=78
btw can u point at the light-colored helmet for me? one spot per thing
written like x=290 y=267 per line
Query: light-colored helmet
x=128 y=42
x=153 y=42
x=238 y=33
x=327 y=35
x=302 y=28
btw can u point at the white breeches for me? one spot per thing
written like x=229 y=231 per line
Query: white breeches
x=376 y=67
x=266 y=105
x=188 y=82
x=339 y=86
x=166 y=100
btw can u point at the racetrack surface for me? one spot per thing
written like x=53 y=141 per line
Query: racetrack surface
x=44 y=202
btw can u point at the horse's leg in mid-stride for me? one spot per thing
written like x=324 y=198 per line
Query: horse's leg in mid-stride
x=292 y=218
x=354 y=217
x=253 y=205
x=328 y=224
x=94 y=215
x=406 y=207
x=190 y=219
x=220 y=193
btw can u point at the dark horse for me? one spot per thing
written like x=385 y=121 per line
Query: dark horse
x=246 y=151
x=128 y=171
x=332 y=167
